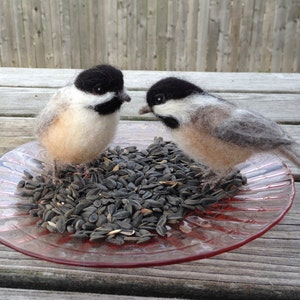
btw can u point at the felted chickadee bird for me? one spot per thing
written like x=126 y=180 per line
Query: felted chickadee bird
x=213 y=130
x=81 y=119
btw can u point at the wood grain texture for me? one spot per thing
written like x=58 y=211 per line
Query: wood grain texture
x=286 y=83
x=195 y=35
x=279 y=107
x=20 y=294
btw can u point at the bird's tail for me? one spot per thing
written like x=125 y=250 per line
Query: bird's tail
x=291 y=152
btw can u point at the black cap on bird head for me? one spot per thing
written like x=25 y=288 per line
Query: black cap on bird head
x=170 y=88
x=100 y=80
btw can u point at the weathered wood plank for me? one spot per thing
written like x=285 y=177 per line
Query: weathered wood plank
x=290 y=43
x=203 y=35
x=269 y=263
x=142 y=80
x=50 y=54
x=245 y=34
x=25 y=294
x=224 y=43
x=29 y=101
x=56 y=36
x=38 y=33
x=65 y=31
x=161 y=38
x=256 y=36
x=235 y=32
x=279 y=31
x=74 y=30
x=99 y=30
x=212 y=41
x=131 y=38
x=267 y=35
x=141 y=43
x=79 y=32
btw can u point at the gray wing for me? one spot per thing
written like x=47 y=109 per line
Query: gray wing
x=249 y=129
x=56 y=105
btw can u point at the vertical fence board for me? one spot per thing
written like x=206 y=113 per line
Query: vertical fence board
x=20 y=34
x=151 y=35
x=203 y=35
x=84 y=45
x=74 y=32
x=235 y=33
x=214 y=30
x=131 y=41
x=171 y=36
x=267 y=36
x=224 y=46
x=11 y=12
x=181 y=35
x=111 y=32
x=297 y=51
x=64 y=19
x=56 y=33
x=192 y=32
x=279 y=30
x=290 y=37
x=122 y=54
x=38 y=33
x=92 y=19
x=47 y=32
x=256 y=36
x=196 y=35
x=141 y=35
x=245 y=35
x=7 y=43
x=28 y=30
x=161 y=25
x=98 y=27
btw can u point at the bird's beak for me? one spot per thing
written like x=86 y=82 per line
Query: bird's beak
x=145 y=110
x=123 y=96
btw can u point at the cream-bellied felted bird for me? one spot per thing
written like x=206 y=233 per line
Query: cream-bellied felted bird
x=80 y=120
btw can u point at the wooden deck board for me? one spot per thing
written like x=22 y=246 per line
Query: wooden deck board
x=21 y=294
x=142 y=80
x=279 y=107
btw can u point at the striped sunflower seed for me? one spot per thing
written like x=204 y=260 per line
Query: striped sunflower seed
x=127 y=195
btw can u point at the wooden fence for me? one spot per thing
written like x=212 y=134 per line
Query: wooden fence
x=183 y=35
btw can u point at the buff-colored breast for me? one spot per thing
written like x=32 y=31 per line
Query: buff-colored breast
x=211 y=151
x=79 y=136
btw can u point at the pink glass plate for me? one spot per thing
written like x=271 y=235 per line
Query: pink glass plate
x=231 y=223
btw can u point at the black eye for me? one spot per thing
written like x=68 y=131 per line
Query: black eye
x=160 y=99
x=97 y=89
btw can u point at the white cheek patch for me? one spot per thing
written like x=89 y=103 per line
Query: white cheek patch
x=175 y=108
x=78 y=97
x=182 y=109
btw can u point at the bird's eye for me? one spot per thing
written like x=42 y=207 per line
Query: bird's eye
x=97 y=90
x=159 y=99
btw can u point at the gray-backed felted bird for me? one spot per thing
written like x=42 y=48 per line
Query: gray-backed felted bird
x=212 y=130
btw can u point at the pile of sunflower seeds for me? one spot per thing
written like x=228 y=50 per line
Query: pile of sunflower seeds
x=126 y=195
